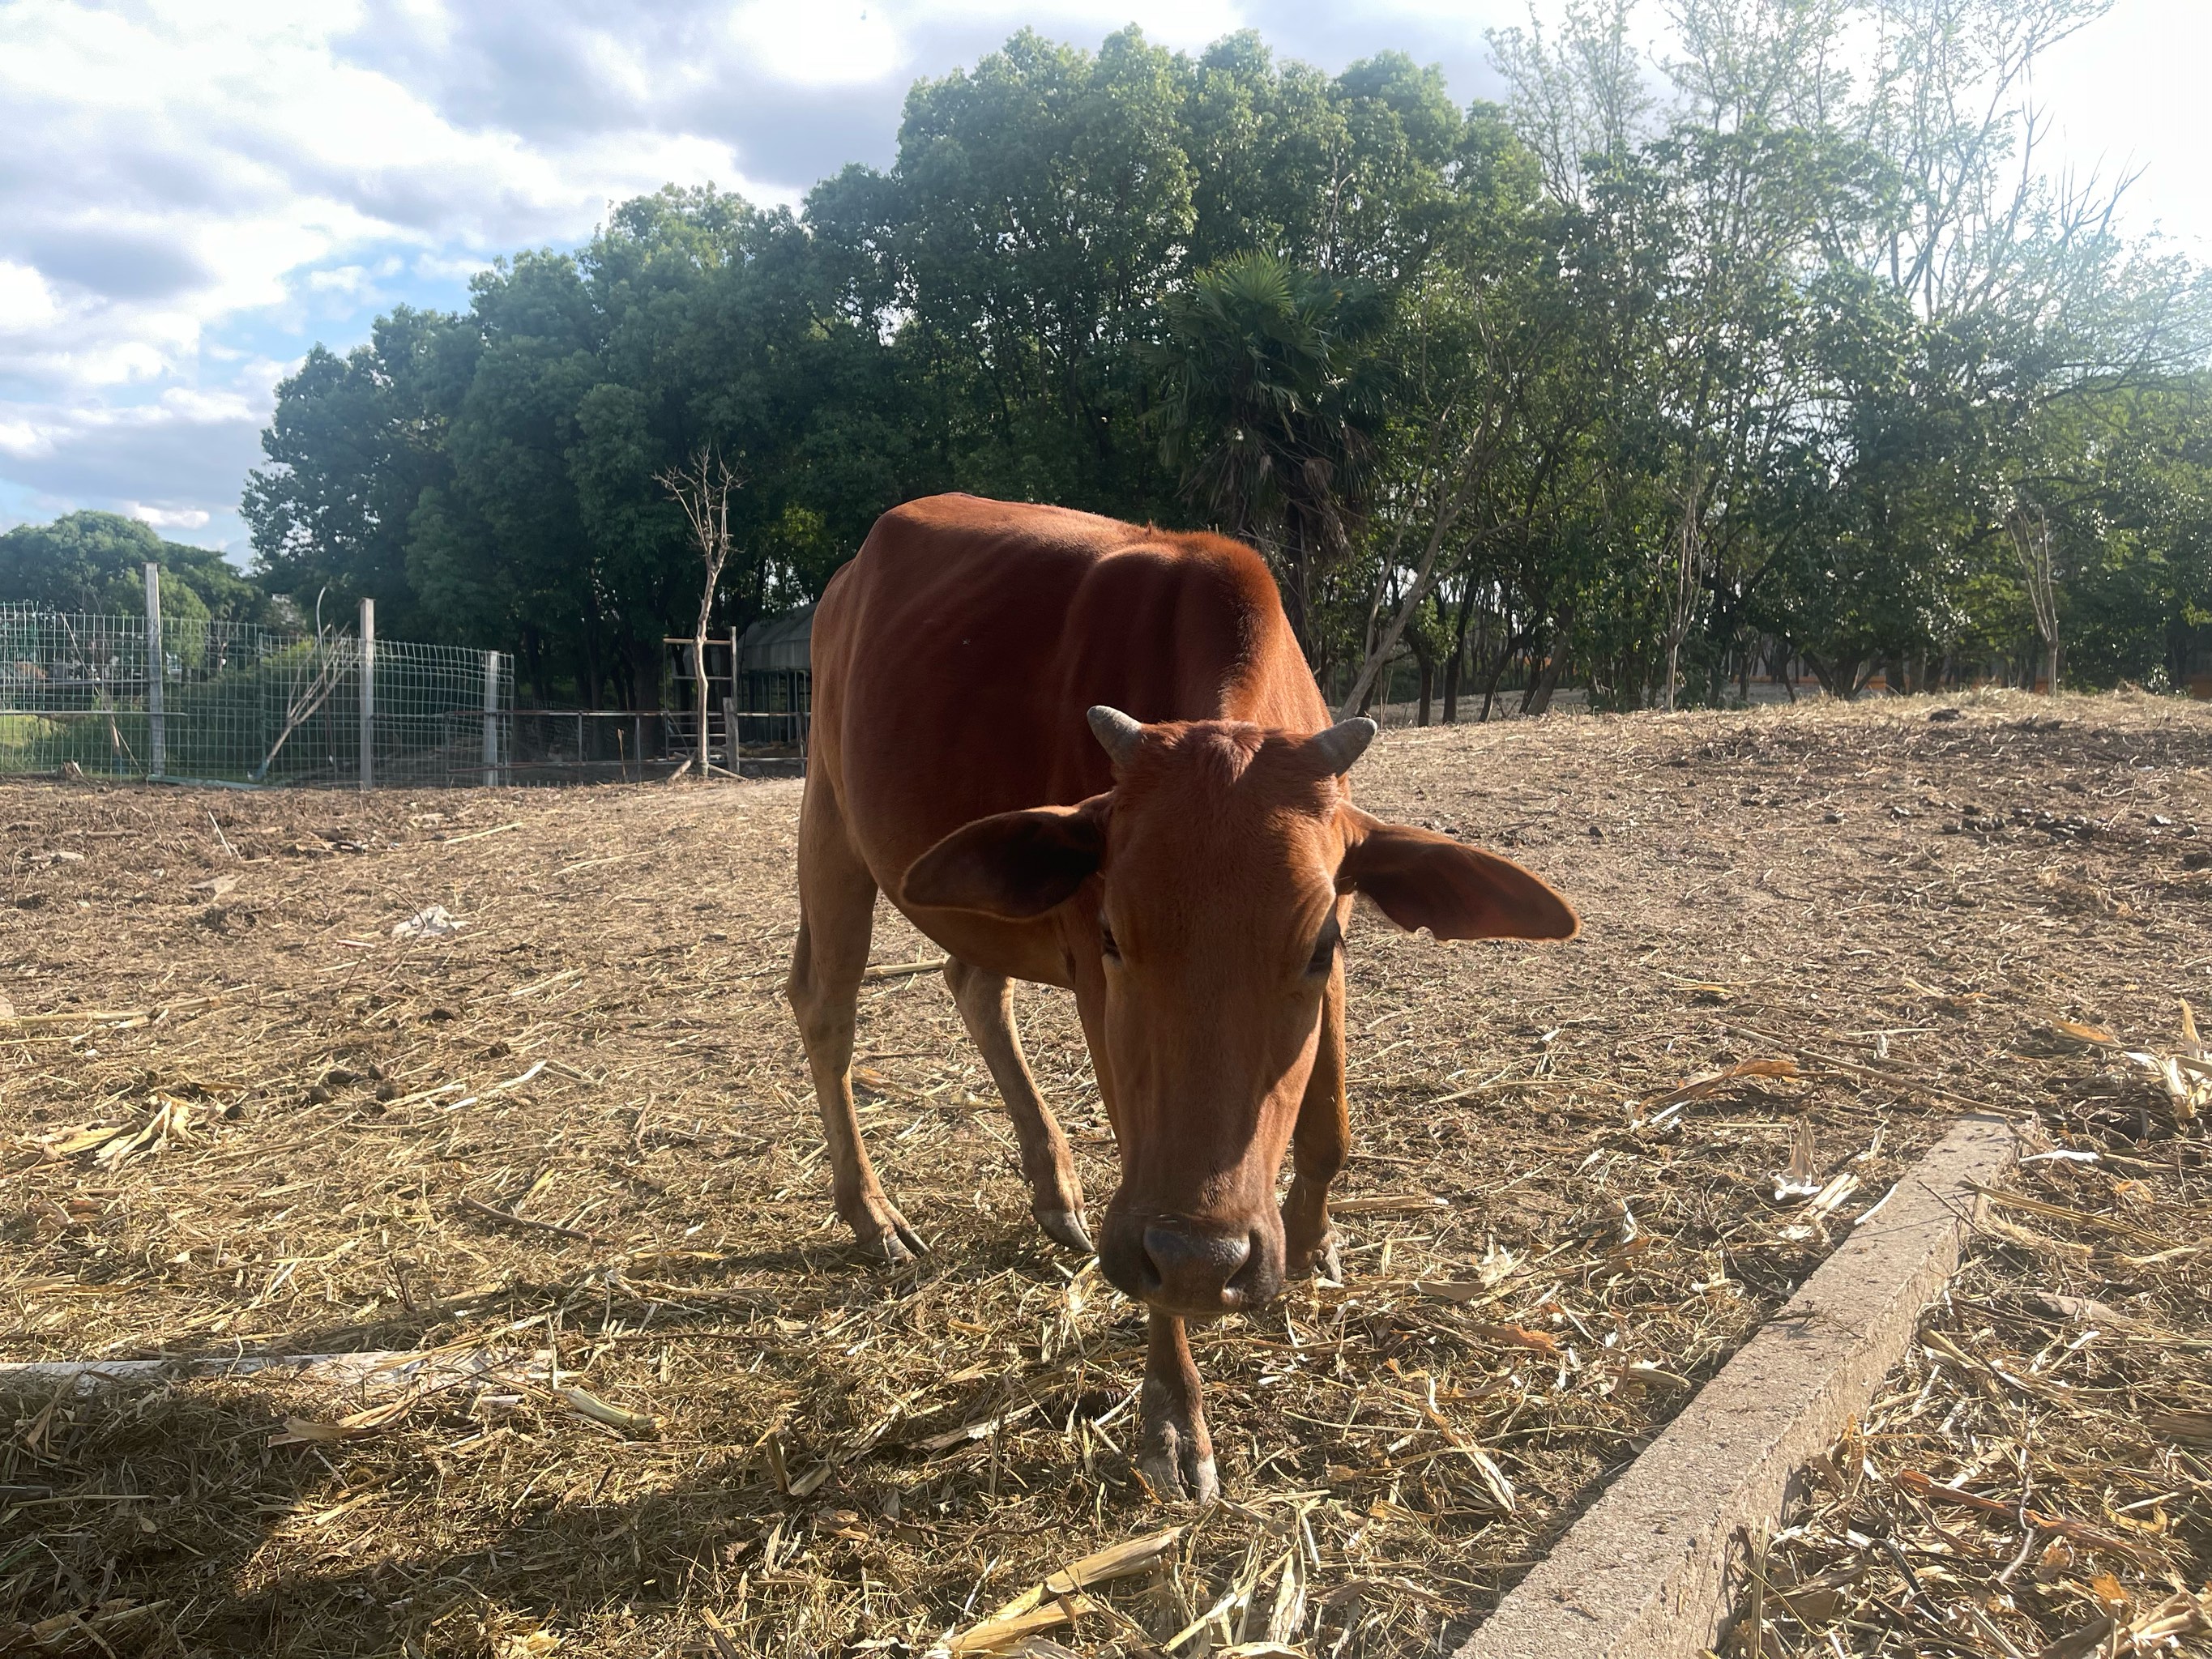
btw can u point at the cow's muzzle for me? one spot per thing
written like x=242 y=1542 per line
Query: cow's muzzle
x=1191 y=1268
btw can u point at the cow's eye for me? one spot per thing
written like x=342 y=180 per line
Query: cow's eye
x=1106 y=941
x=1324 y=951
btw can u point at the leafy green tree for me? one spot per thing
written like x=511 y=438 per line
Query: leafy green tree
x=96 y=563
x=489 y=477
x=1272 y=405
x=355 y=442
x=1038 y=202
x=1634 y=383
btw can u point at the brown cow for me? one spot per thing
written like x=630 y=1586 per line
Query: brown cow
x=1186 y=867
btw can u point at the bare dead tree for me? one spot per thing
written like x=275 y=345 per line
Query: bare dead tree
x=313 y=678
x=1682 y=603
x=2031 y=540
x=702 y=488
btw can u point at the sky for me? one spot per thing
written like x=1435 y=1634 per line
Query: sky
x=193 y=194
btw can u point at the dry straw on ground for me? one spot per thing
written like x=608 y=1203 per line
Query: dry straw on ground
x=252 y=1102
x=2036 y=1476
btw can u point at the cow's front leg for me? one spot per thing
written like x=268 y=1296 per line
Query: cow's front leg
x=1177 y=1454
x=1320 y=1145
x=985 y=1001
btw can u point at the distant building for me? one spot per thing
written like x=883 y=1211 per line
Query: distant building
x=775 y=663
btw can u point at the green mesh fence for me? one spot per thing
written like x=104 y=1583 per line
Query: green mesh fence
x=233 y=703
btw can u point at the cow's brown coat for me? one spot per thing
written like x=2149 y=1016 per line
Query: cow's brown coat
x=1191 y=891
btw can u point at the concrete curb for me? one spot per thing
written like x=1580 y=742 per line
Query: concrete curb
x=1645 y=1573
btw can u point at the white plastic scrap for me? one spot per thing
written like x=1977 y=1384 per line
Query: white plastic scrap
x=435 y=922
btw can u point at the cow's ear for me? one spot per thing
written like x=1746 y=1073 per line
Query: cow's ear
x=1425 y=880
x=1017 y=865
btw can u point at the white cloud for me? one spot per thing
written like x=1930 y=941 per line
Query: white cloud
x=182 y=452
x=184 y=180
x=1179 y=23
x=182 y=164
x=447 y=268
x=26 y=300
x=821 y=46
x=185 y=518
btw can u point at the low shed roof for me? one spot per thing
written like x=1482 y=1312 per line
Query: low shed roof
x=778 y=644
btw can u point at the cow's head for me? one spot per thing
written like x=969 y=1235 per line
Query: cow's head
x=1204 y=899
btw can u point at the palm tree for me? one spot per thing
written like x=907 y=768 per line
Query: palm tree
x=1273 y=402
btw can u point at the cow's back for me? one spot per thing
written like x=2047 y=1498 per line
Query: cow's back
x=955 y=656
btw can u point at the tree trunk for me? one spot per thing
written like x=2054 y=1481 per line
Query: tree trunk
x=1497 y=673
x=1839 y=679
x=1379 y=647
x=1455 y=668
x=1539 y=693
x=587 y=666
x=2032 y=540
x=1546 y=680
x=1296 y=598
x=1683 y=608
x=699 y=680
x=644 y=675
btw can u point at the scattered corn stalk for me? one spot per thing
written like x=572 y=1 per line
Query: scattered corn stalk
x=1058 y=1601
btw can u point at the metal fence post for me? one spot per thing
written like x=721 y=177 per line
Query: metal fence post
x=157 y=665
x=368 y=694
x=491 y=720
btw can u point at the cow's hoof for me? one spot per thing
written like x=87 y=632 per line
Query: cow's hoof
x=1176 y=1471
x=1065 y=1227
x=1175 y=1455
x=1322 y=1261
x=893 y=1241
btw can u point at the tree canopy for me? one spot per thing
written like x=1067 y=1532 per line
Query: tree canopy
x=1641 y=382
x=96 y=561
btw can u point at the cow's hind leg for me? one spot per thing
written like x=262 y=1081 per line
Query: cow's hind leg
x=986 y=1006
x=1175 y=1454
x=1321 y=1144
x=836 y=918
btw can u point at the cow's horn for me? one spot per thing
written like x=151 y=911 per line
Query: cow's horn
x=1118 y=735
x=1343 y=742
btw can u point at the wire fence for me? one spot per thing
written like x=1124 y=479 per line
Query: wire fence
x=229 y=703
x=622 y=746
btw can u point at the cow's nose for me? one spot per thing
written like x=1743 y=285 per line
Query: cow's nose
x=1199 y=1272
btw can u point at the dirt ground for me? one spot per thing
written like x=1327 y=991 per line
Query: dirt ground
x=2035 y=1477
x=239 y=1114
